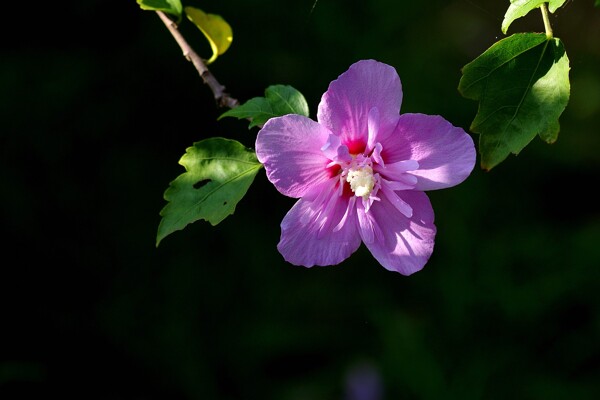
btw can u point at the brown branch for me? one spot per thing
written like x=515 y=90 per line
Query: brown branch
x=223 y=99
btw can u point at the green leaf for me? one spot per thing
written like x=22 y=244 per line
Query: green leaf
x=522 y=85
x=172 y=7
x=214 y=27
x=597 y=4
x=279 y=100
x=218 y=174
x=520 y=8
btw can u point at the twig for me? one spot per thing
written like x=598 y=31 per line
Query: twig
x=223 y=99
x=546 y=18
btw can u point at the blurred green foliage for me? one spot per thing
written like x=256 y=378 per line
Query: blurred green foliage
x=93 y=127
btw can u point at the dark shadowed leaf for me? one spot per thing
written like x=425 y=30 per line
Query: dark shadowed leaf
x=218 y=174
x=522 y=85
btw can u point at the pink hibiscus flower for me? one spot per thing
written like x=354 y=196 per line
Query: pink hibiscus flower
x=360 y=172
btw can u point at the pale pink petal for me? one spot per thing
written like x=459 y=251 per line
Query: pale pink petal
x=330 y=148
x=402 y=206
x=350 y=209
x=308 y=236
x=445 y=153
x=290 y=149
x=345 y=106
x=369 y=229
x=398 y=175
x=407 y=243
x=376 y=155
x=373 y=121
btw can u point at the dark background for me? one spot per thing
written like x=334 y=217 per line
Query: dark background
x=97 y=107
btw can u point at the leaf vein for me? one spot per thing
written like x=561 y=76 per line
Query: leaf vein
x=497 y=67
x=527 y=89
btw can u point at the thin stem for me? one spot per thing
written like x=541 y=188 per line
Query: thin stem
x=546 y=18
x=223 y=99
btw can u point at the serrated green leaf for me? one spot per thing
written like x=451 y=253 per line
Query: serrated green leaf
x=286 y=100
x=258 y=110
x=216 y=30
x=279 y=100
x=520 y=8
x=172 y=7
x=522 y=85
x=218 y=174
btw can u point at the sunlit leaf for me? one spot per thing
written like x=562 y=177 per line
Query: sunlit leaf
x=520 y=8
x=218 y=174
x=214 y=27
x=172 y=7
x=279 y=100
x=522 y=85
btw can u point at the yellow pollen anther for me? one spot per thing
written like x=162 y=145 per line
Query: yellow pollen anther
x=361 y=181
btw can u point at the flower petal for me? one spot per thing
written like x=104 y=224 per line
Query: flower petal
x=345 y=106
x=290 y=149
x=308 y=236
x=407 y=244
x=445 y=153
x=369 y=229
x=400 y=205
x=373 y=128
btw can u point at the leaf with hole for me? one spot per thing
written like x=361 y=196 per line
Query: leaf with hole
x=520 y=8
x=216 y=30
x=218 y=174
x=522 y=85
x=279 y=100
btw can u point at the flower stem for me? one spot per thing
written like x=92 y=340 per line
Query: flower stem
x=223 y=99
x=546 y=18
